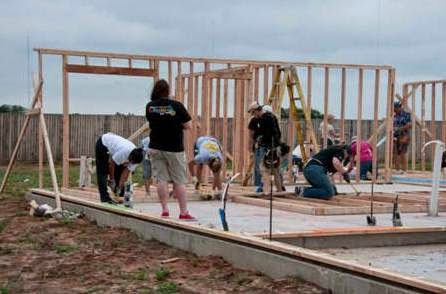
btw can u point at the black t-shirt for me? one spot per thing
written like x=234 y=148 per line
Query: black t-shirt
x=269 y=130
x=166 y=118
x=326 y=156
x=254 y=125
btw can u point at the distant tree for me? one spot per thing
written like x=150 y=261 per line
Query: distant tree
x=12 y=108
x=285 y=113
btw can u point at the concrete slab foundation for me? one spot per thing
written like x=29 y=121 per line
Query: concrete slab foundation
x=272 y=258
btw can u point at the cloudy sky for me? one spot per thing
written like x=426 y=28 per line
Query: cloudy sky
x=406 y=34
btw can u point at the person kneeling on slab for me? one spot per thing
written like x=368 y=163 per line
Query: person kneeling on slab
x=207 y=150
x=116 y=158
x=329 y=160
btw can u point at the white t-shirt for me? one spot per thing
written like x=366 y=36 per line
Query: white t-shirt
x=296 y=152
x=119 y=149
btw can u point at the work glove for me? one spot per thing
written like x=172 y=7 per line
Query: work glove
x=346 y=177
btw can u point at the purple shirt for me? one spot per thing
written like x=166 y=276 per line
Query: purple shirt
x=365 y=153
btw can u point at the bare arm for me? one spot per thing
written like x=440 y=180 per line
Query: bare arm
x=124 y=176
x=111 y=169
x=338 y=166
x=187 y=125
x=217 y=181
x=191 y=165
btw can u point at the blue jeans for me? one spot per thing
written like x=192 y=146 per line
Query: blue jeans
x=258 y=157
x=366 y=166
x=321 y=186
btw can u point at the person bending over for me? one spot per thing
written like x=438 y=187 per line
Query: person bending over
x=207 y=150
x=329 y=160
x=116 y=158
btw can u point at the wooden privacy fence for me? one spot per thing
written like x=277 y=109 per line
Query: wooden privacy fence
x=85 y=129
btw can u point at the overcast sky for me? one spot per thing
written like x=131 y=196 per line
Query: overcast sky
x=406 y=34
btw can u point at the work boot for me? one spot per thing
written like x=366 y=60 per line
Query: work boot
x=299 y=191
x=259 y=189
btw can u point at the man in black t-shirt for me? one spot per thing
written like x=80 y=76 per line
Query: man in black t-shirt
x=254 y=133
x=265 y=134
x=327 y=161
x=167 y=120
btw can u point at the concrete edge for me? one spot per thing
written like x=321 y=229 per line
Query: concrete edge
x=248 y=256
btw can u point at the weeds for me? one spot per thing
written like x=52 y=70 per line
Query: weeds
x=162 y=273
x=64 y=248
x=167 y=288
x=2 y=225
x=141 y=275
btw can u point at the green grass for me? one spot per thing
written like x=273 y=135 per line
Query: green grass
x=26 y=176
x=4 y=290
x=167 y=288
x=2 y=225
x=141 y=275
x=64 y=248
x=162 y=273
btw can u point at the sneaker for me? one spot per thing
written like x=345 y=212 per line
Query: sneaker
x=165 y=214
x=187 y=217
x=299 y=191
x=259 y=189
x=109 y=201
x=283 y=189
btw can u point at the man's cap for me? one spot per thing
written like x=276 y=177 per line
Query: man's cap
x=254 y=106
x=397 y=104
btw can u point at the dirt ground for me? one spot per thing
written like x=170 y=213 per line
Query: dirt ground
x=42 y=255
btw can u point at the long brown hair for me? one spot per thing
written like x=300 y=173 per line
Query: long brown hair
x=161 y=89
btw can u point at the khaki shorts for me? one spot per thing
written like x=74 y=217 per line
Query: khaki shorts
x=168 y=166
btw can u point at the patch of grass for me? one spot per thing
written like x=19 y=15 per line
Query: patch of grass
x=141 y=275
x=3 y=225
x=64 y=248
x=162 y=273
x=26 y=176
x=167 y=288
x=4 y=290
x=21 y=213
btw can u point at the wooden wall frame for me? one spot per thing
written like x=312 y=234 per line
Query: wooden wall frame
x=416 y=93
x=210 y=86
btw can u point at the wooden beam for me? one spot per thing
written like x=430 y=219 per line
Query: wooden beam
x=443 y=115
x=235 y=76
x=326 y=94
x=343 y=82
x=39 y=132
x=19 y=139
x=413 y=140
x=433 y=125
x=109 y=70
x=375 y=124
x=309 y=98
x=359 y=125
x=48 y=51
x=389 y=125
x=145 y=127
x=65 y=125
x=423 y=122
x=265 y=83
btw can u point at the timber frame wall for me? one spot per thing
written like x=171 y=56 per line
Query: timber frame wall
x=414 y=99
x=211 y=87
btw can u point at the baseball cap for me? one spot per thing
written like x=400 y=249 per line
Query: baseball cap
x=254 y=106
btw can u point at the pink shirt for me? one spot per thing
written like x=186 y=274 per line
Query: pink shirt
x=365 y=153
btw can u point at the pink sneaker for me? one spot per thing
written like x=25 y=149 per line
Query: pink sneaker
x=187 y=217
x=165 y=214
